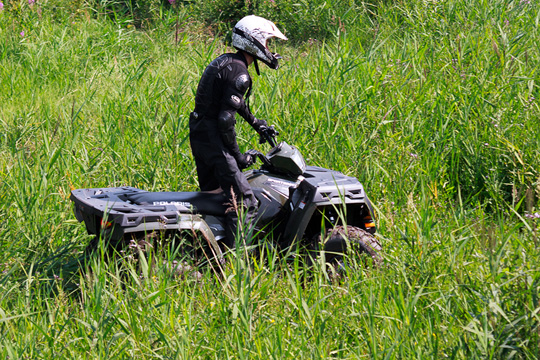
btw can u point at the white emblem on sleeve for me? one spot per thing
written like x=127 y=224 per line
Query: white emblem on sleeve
x=235 y=99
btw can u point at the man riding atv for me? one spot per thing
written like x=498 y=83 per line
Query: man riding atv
x=220 y=95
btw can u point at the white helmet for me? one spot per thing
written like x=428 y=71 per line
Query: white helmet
x=251 y=33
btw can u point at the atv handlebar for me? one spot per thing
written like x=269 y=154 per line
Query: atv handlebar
x=260 y=155
x=268 y=134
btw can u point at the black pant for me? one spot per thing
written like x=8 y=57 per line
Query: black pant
x=217 y=168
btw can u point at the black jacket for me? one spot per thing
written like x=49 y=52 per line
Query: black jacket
x=220 y=95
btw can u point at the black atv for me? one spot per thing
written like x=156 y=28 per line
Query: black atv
x=322 y=210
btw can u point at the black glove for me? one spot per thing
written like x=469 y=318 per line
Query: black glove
x=259 y=124
x=267 y=132
x=247 y=159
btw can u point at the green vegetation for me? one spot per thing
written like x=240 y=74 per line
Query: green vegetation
x=431 y=104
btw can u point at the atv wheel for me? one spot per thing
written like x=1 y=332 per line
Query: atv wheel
x=361 y=243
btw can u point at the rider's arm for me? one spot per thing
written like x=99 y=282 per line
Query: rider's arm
x=232 y=102
x=234 y=93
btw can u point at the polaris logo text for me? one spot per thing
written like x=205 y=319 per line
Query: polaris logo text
x=181 y=203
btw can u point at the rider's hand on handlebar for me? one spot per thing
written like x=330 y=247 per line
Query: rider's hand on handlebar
x=267 y=132
x=247 y=159
x=259 y=124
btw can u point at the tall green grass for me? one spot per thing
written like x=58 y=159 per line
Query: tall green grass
x=432 y=105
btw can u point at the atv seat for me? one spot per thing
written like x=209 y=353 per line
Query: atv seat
x=210 y=203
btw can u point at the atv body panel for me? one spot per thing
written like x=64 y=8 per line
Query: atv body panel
x=295 y=202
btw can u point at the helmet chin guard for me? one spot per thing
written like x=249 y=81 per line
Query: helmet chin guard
x=251 y=35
